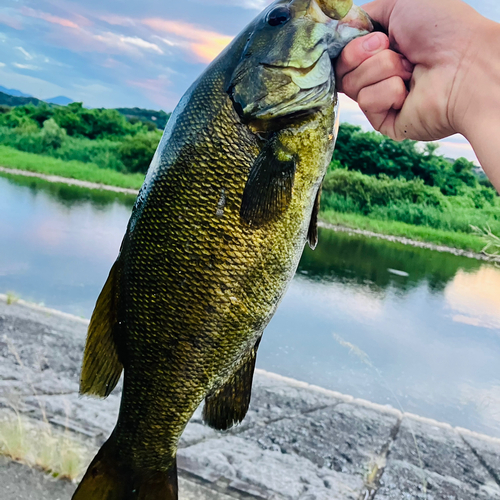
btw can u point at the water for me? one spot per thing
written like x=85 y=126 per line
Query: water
x=415 y=329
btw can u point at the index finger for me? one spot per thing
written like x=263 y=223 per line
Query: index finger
x=358 y=51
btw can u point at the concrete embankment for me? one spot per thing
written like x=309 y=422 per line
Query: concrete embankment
x=297 y=442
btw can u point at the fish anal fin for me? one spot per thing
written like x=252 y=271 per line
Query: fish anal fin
x=269 y=188
x=312 y=233
x=229 y=405
x=101 y=368
x=106 y=478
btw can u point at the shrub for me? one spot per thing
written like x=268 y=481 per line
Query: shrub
x=136 y=152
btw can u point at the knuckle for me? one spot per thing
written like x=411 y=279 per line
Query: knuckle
x=364 y=100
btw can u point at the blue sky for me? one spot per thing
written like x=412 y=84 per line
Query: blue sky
x=125 y=53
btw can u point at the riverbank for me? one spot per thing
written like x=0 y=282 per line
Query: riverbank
x=14 y=162
x=297 y=442
x=22 y=162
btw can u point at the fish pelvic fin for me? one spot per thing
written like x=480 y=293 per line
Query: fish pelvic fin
x=229 y=405
x=101 y=368
x=312 y=233
x=108 y=479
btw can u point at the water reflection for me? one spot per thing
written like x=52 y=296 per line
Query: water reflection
x=350 y=324
x=58 y=242
x=425 y=337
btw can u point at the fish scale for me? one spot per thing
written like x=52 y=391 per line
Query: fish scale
x=213 y=242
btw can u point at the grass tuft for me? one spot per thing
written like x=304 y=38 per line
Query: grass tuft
x=12 y=298
x=38 y=444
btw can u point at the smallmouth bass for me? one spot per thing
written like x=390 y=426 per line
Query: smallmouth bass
x=215 y=237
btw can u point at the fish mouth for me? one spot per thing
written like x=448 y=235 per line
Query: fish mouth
x=315 y=75
x=356 y=19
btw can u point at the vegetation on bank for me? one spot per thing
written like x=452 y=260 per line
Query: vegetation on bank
x=372 y=182
x=19 y=160
x=103 y=137
x=396 y=188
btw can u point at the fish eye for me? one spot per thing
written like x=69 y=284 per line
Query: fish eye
x=279 y=16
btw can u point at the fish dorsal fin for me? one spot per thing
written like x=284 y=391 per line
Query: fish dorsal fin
x=269 y=188
x=102 y=367
x=229 y=405
x=312 y=233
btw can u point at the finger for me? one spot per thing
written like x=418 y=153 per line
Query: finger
x=379 y=101
x=380 y=11
x=358 y=51
x=381 y=66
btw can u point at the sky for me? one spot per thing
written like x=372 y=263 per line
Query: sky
x=127 y=53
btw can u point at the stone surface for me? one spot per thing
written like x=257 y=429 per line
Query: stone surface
x=345 y=438
x=266 y=473
x=486 y=449
x=297 y=441
x=19 y=482
x=439 y=448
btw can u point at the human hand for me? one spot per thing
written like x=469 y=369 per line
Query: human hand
x=424 y=86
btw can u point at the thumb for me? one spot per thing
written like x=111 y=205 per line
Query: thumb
x=380 y=11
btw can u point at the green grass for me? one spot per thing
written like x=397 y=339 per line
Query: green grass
x=453 y=239
x=12 y=158
x=38 y=444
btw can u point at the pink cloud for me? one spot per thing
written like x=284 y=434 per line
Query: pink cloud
x=11 y=22
x=27 y=11
x=206 y=45
x=157 y=89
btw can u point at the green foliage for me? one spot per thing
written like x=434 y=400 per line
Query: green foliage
x=12 y=158
x=136 y=152
x=409 y=202
x=103 y=137
x=368 y=191
x=373 y=154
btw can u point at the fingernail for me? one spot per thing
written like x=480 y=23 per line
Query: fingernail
x=372 y=43
x=407 y=65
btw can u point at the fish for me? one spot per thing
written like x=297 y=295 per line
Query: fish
x=230 y=200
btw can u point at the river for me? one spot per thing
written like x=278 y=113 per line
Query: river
x=412 y=328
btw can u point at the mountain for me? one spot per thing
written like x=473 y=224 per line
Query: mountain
x=13 y=92
x=60 y=100
x=10 y=100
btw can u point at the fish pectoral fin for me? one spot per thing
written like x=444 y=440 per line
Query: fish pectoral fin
x=101 y=368
x=229 y=405
x=268 y=191
x=312 y=233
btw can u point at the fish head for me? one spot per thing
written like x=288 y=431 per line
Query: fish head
x=286 y=65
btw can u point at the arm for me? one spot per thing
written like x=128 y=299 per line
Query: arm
x=448 y=56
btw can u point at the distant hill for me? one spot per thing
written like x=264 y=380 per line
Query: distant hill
x=60 y=100
x=13 y=97
x=14 y=92
x=157 y=118
x=152 y=118
x=10 y=100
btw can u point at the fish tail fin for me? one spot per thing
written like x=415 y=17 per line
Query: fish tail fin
x=106 y=478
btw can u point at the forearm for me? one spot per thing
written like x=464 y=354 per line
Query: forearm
x=479 y=105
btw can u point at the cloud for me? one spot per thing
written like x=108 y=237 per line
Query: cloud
x=206 y=45
x=157 y=90
x=11 y=22
x=26 y=66
x=126 y=43
x=26 y=54
x=27 y=11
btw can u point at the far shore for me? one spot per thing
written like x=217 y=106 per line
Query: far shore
x=389 y=232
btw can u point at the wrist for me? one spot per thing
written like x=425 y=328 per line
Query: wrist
x=475 y=107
